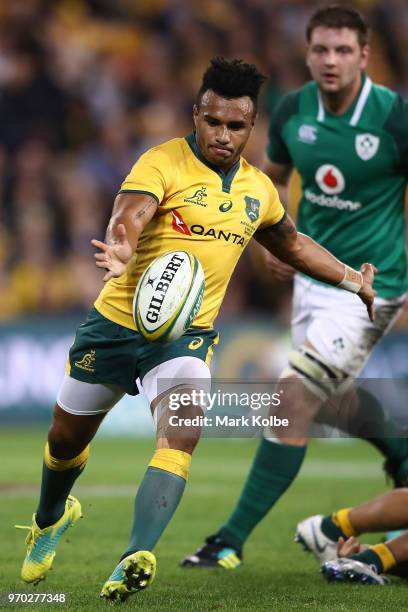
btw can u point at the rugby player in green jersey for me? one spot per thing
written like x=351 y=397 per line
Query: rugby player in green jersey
x=348 y=139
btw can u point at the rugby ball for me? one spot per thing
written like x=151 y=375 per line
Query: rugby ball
x=168 y=296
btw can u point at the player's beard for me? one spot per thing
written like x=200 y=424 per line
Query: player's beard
x=337 y=95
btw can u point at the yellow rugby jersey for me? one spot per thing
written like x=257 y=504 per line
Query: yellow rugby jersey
x=202 y=210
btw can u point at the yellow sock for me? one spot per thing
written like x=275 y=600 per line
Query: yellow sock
x=342 y=521
x=174 y=461
x=60 y=465
x=387 y=558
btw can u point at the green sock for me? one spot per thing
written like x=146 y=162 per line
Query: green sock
x=56 y=485
x=58 y=477
x=370 y=557
x=373 y=425
x=330 y=529
x=156 y=500
x=274 y=468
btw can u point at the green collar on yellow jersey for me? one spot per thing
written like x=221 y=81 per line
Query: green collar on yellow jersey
x=226 y=177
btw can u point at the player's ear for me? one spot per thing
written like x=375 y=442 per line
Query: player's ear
x=365 y=54
x=196 y=110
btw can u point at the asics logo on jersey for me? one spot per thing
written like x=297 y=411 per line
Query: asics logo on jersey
x=198 y=197
x=179 y=224
x=366 y=146
x=330 y=179
x=307 y=134
x=225 y=206
x=196 y=343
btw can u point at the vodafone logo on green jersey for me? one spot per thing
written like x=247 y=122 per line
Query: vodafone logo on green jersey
x=330 y=179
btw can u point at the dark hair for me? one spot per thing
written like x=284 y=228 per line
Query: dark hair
x=338 y=16
x=232 y=79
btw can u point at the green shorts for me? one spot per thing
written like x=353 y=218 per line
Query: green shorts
x=107 y=353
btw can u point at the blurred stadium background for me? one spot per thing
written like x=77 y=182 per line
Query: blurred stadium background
x=85 y=88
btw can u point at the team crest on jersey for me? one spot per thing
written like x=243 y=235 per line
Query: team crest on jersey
x=330 y=179
x=366 y=146
x=198 y=197
x=252 y=208
x=86 y=363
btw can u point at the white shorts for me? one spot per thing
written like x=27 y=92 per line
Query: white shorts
x=336 y=323
x=82 y=398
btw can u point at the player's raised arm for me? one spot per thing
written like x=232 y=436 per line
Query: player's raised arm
x=131 y=213
x=305 y=255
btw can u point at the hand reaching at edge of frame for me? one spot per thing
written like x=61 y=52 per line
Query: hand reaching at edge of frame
x=367 y=293
x=351 y=546
x=115 y=256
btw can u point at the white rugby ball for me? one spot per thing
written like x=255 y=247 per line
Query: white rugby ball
x=168 y=296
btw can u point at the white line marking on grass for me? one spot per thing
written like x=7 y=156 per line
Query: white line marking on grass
x=330 y=470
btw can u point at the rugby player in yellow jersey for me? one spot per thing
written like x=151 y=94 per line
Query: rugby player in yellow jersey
x=197 y=194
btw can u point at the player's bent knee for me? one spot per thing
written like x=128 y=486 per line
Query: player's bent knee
x=64 y=441
x=178 y=416
x=317 y=374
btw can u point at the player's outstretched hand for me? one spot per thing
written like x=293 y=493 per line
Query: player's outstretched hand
x=277 y=269
x=367 y=293
x=113 y=257
x=348 y=547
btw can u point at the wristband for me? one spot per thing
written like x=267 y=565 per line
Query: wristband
x=352 y=280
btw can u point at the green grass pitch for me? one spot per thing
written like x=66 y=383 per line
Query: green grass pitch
x=277 y=574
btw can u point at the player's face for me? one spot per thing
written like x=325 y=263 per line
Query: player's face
x=223 y=127
x=335 y=58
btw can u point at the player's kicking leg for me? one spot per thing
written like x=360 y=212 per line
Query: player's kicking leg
x=80 y=409
x=164 y=481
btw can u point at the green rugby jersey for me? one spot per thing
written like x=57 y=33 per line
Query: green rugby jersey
x=354 y=170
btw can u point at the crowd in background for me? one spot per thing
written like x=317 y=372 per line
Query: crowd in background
x=87 y=86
